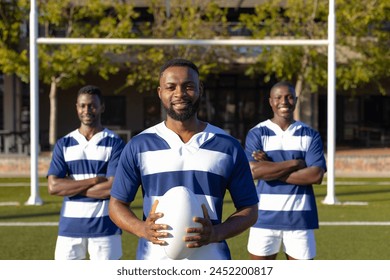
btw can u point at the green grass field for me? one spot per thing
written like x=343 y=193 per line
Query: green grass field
x=364 y=202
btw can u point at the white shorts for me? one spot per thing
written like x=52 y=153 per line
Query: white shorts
x=299 y=244
x=98 y=248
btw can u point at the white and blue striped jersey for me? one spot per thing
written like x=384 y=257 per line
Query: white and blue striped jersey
x=77 y=158
x=209 y=164
x=284 y=206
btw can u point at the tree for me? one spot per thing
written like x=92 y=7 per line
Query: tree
x=65 y=65
x=361 y=40
x=13 y=57
x=363 y=44
x=62 y=66
x=180 y=20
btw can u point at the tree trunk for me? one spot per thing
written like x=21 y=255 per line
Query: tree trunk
x=300 y=83
x=298 y=90
x=53 y=113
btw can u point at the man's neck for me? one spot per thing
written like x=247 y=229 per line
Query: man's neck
x=185 y=129
x=89 y=131
x=284 y=124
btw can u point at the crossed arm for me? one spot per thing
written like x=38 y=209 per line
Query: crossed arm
x=292 y=171
x=97 y=187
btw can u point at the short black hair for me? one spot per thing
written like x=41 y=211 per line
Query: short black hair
x=178 y=62
x=92 y=90
x=290 y=86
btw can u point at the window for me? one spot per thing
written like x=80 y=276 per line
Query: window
x=115 y=111
x=152 y=111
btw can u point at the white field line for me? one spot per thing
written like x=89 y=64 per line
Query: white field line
x=21 y=184
x=362 y=182
x=28 y=224
x=9 y=203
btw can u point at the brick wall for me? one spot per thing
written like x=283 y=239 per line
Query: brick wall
x=345 y=165
x=19 y=166
x=362 y=165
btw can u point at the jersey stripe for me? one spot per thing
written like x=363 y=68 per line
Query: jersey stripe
x=97 y=153
x=76 y=209
x=196 y=160
x=280 y=142
x=283 y=202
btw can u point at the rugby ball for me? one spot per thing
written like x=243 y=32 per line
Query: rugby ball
x=179 y=206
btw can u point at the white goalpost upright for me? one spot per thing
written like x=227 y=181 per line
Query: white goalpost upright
x=35 y=199
x=330 y=197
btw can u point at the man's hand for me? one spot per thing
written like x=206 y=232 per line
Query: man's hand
x=152 y=231
x=260 y=155
x=201 y=236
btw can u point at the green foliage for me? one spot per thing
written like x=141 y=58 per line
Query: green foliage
x=66 y=65
x=363 y=43
x=13 y=57
x=62 y=66
x=362 y=50
x=293 y=19
x=183 y=21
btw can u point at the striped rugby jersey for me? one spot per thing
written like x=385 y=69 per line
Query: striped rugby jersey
x=283 y=206
x=76 y=157
x=209 y=164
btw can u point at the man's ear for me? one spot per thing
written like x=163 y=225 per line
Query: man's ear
x=159 y=92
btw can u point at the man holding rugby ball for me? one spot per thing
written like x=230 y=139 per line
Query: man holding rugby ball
x=183 y=151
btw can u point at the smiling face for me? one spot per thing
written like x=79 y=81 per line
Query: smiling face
x=282 y=101
x=180 y=91
x=89 y=109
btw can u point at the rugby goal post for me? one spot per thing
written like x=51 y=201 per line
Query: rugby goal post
x=35 y=198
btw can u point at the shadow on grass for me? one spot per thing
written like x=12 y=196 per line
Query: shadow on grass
x=365 y=192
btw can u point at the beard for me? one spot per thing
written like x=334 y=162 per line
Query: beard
x=190 y=111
